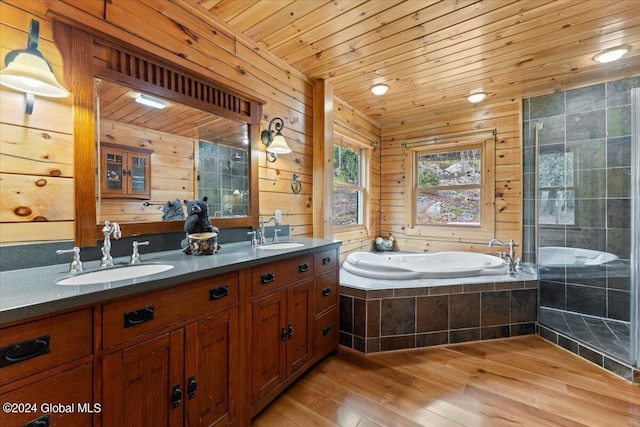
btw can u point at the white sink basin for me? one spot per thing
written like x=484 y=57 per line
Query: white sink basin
x=283 y=245
x=114 y=274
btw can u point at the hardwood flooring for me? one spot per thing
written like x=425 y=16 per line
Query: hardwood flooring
x=524 y=381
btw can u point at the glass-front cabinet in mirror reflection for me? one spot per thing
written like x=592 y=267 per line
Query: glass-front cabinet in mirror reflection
x=125 y=172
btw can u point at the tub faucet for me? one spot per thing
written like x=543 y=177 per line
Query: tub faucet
x=263 y=240
x=109 y=229
x=511 y=260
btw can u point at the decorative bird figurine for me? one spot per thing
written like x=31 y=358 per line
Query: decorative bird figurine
x=384 y=244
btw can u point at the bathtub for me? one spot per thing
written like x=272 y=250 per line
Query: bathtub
x=406 y=266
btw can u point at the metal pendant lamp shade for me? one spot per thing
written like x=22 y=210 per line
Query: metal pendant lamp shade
x=30 y=72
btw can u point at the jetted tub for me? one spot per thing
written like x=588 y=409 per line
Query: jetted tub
x=440 y=265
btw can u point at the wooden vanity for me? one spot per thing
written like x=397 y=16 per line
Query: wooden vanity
x=212 y=351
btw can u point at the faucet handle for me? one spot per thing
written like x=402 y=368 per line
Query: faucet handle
x=275 y=234
x=135 y=256
x=254 y=242
x=76 y=264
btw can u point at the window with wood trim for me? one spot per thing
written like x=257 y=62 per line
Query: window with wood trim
x=450 y=190
x=350 y=185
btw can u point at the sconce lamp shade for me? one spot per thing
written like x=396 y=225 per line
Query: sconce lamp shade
x=278 y=145
x=274 y=141
x=30 y=72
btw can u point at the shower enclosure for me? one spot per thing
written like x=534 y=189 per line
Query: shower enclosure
x=581 y=217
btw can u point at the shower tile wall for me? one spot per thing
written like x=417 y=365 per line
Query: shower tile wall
x=585 y=157
x=222 y=177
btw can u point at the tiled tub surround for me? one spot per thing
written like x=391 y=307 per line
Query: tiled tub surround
x=381 y=315
x=591 y=128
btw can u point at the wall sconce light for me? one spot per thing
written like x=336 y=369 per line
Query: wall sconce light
x=476 y=97
x=150 y=101
x=29 y=72
x=274 y=140
x=379 y=89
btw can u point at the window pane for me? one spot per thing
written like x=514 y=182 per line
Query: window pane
x=449 y=207
x=346 y=165
x=451 y=168
x=345 y=207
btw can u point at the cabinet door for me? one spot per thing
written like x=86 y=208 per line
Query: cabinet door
x=113 y=170
x=142 y=384
x=299 y=329
x=211 y=368
x=138 y=175
x=269 y=341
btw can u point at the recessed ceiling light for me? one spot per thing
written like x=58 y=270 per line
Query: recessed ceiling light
x=150 y=101
x=476 y=97
x=611 y=55
x=379 y=89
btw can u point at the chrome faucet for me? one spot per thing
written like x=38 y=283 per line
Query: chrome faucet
x=510 y=256
x=263 y=240
x=76 y=264
x=110 y=228
x=135 y=255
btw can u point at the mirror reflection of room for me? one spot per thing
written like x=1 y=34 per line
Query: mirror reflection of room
x=155 y=154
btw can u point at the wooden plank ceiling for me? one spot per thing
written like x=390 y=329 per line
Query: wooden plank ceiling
x=434 y=53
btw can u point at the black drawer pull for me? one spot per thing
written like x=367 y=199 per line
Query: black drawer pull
x=24 y=350
x=303 y=268
x=326 y=330
x=326 y=260
x=137 y=317
x=192 y=387
x=290 y=331
x=176 y=396
x=326 y=291
x=267 y=278
x=283 y=334
x=219 y=292
x=40 y=422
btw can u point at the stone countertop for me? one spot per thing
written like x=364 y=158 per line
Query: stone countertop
x=32 y=292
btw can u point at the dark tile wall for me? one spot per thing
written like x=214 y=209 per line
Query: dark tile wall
x=593 y=124
x=392 y=319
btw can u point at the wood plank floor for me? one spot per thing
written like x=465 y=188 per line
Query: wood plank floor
x=524 y=381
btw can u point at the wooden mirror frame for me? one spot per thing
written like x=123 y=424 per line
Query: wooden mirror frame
x=86 y=56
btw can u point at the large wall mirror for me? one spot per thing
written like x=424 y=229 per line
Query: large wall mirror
x=154 y=153
x=131 y=160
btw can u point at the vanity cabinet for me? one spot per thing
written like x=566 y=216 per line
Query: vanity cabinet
x=126 y=172
x=46 y=371
x=180 y=370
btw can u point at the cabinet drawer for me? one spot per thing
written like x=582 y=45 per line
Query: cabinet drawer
x=325 y=261
x=36 y=346
x=326 y=289
x=281 y=273
x=327 y=332
x=64 y=400
x=144 y=314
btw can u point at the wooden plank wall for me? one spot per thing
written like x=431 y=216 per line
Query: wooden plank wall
x=349 y=122
x=172 y=167
x=206 y=47
x=505 y=118
x=36 y=151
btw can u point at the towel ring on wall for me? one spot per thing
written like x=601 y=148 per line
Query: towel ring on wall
x=296 y=186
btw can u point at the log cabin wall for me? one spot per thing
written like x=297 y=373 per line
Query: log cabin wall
x=349 y=123
x=30 y=213
x=505 y=118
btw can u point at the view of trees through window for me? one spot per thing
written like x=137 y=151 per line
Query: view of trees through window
x=448 y=187
x=347 y=191
x=556 y=184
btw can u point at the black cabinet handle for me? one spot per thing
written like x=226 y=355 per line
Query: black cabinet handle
x=267 y=278
x=176 y=396
x=137 y=317
x=283 y=334
x=192 y=387
x=326 y=260
x=326 y=291
x=24 y=350
x=303 y=268
x=219 y=292
x=40 y=422
x=326 y=330
x=290 y=330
